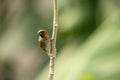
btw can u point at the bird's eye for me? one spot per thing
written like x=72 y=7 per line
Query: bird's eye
x=41 y=32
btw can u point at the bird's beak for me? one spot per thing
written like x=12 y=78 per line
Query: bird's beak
x=39 y=33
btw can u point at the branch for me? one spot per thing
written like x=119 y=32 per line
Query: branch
x=53 y=41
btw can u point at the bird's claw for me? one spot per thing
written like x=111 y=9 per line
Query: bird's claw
x=52 y=56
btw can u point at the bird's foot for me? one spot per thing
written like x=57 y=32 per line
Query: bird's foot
x=52 y=56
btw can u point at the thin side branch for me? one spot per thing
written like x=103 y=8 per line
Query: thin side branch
x=53 y=41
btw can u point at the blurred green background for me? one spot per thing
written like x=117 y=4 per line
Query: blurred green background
x=88 y=40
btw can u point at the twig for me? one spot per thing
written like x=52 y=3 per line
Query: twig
x=53 y=41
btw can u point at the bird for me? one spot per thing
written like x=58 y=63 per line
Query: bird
x=44 y=41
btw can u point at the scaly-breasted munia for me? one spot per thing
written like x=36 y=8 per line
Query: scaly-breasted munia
x=44 y=41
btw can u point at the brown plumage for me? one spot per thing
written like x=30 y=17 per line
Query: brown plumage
x=44 y=41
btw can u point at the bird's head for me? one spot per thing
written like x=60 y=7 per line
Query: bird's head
x=43 y=33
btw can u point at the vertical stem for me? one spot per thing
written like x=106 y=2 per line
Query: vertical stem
x=51 y=68
x=53 y=41
x=55 y=20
